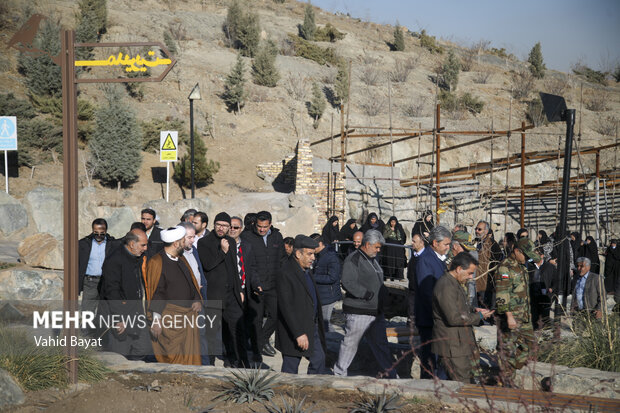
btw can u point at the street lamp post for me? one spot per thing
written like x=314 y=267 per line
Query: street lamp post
x=194 y=95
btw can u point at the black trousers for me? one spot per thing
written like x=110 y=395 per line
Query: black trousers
x=264 y=305
x=290 y=364
x=540 y=307
x=427 y=358
x=234 y=335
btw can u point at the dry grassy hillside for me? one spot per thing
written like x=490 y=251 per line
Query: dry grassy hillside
x=275 y=118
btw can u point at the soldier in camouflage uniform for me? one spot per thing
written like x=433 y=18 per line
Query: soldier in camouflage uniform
x=515 y=334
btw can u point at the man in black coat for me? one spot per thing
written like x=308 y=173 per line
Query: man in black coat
x=92 y=250
x=122 y=292
x=153 y=232
x=299 y=330
x=224 y=291
x=269 y=253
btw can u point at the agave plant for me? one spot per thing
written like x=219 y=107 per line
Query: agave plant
x=249 y=385
x=290 y=406
x=383 y=403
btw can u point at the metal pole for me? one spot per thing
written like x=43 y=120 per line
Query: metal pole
x=438 y=159
x=331 y=193
x=522 y=214
x=391 y=145
x=70 y=193
x=168 y=181
x=598 y=197
x=191 y=143
x=6 y=170
x=491 y=180
x=563 y=264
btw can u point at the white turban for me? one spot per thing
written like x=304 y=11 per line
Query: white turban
x=172 y=234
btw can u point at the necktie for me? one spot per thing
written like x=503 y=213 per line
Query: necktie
x=241 y=266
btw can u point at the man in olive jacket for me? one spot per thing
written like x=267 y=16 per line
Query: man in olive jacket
x=299 y=328
x=453 y=334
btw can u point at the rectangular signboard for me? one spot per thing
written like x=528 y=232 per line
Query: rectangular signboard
x=168 y=146
x=8 y=133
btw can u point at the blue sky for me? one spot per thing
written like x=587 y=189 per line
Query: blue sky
x=569 y=30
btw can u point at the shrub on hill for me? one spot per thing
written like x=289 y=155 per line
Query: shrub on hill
x=308 y=28
x=535 y=59
x=115 y=144
x=242 y=29
x=398 y=44
x=328 y=34
x=204 y=169
x=307 y=50
x=264 y=70
x=429 y=43
x=234 y=89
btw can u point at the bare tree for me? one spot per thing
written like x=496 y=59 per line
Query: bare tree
x=482 y=77
x=373 y=102
x=522 y=84
x=296 y=86
x=597 y=101
x=370 y=74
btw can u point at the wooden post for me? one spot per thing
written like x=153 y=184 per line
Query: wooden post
x=598 y=197
x=391 y=146
x=70 y=193
x=522 y=212
x=342 y=151
x=438 y=159
x=331 y=192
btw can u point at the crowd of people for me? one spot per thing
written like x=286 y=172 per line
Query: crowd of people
x=249 y=282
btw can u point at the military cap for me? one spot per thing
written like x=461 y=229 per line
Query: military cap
x=527 y=247
x=302 y=241
x=464 y=239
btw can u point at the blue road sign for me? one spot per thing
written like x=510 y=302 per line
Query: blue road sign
x=8 y=133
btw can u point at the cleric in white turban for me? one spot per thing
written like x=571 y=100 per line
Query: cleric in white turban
x=173 y=295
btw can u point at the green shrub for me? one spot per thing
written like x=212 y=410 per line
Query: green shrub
x=204 y=169
x=465 y=102
x=535 y=112
x=242 y=29
x=382 y=403
x=43 y=75
x=264 y=70
x=597 y=346
x=234 y=92
x=328 y=34
x=537 y=65
x=91 y=25
x=151 y=132
x=317 y=104
x=38 y=368
x=594 y=76
x=307 y=50
x=308 y=28
x=247 y=386
x=450 y=72
x=429 y=43
x=170 y=43
x=115 y=143
x=616 y=74
x=399 y=39
x=341 y=86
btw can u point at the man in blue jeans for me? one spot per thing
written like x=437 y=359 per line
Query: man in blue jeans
x=362 y=280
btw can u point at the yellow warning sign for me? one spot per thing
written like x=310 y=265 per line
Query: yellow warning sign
x=168 y=144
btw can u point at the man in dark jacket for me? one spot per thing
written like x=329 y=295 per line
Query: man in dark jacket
x=431 y=265
x=363 y=305
x=93 y=249
x=122 y=293
x=588 y=292
x=299 y=330
x=417 y=245
x=153 y=232
x=224 y=295
x=453 y=332
x=268 y=247
x=327 y=272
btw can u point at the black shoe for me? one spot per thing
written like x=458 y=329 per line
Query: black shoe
x=268 y=350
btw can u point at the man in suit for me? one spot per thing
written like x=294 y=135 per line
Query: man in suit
x=588 y=292
x=299 y=329
x=431 y=265
x=224 y=295
x=92 y=251
x=191 y=255
x=153 y=232
x=122 y=294
x=417 y=245
x=453 y=334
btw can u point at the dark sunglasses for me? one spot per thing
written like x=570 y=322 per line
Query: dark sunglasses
x=235 y=227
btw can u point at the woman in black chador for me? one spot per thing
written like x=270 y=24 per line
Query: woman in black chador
x=331 y=230
x=394 y=259
x=424 y=225
x=346 y=234
x=591 y=252
x=373 y=222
